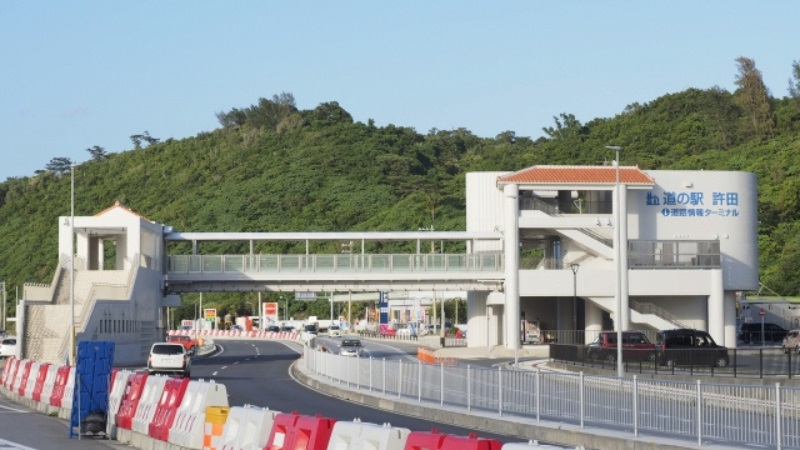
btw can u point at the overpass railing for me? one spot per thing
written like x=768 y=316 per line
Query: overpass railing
x=731 y=415
x=441 y=262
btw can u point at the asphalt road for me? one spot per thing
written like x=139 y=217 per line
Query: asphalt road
x=257 y=373
x=23 y=429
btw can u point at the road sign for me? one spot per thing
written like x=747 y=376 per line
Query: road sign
x=762 y=313
x=210 y=313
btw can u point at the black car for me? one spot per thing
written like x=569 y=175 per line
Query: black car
x=751 y=333
x=686 y=347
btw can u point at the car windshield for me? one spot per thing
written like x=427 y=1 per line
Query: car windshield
x=351 y=343
x=167 y=349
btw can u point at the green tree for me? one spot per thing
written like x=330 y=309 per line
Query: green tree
x=753 y=97
x=59 y=165
x=98 y=153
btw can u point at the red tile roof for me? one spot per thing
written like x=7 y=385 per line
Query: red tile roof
x=630 y=175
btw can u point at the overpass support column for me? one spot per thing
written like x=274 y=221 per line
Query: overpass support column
x=594 y=320
x=729 y=303
x=716 y=308
x=511 y=310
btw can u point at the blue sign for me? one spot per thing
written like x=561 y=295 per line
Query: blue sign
x=692 y=204
x=383 y=307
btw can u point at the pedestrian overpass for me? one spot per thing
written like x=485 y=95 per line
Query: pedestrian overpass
x=356 y=270
x=118 y=273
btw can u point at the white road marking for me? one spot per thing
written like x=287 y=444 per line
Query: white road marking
x=8 y=445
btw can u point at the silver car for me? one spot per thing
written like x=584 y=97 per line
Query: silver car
x=791 y=341
x=351 y=347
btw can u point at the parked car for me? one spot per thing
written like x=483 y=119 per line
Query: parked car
x=635 y=347
x=169 y=358
x=274 y=328
x=187 y=341
x=751 y=332
x=351 y=347
x=686 y=347
x=8 y=346
x=791 y=341
x=406 y=330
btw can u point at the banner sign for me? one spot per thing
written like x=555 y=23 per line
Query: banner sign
x=271 y=312
x=210 y=313
x=383 y=307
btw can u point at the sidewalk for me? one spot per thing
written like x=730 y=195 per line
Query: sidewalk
x=527 y=352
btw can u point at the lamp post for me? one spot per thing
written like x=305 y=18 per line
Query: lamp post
x=72 y=265
x=618 y=260
x=575 y=267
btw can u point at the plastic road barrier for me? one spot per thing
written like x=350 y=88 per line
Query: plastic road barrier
x=214 y=427
x=49 y=383
x=189 y=425
x=130 y=401
x=118 y=387
x=247 y=427
x=10 y=371
x=437 y=441
x=21 y=380
x=38 y=385
x=167 y=408
x=153 y=388
x=27 y=389
x=60 y=385
x=367 y=436
x=295 y=431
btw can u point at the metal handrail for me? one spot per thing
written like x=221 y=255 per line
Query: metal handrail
x=649 y=308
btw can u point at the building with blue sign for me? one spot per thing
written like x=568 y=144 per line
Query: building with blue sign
x=672 y=252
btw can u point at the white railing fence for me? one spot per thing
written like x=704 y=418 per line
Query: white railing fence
x=735 y=414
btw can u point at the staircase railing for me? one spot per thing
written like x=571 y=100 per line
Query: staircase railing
x=649 y=308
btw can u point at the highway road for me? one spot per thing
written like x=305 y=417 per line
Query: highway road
x=254 y=372
x=257 y=373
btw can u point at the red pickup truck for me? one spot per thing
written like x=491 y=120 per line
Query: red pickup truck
x=188 y=342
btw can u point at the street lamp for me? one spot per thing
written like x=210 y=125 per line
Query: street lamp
x=618 y=260
x=72 y=265
x=574 y=267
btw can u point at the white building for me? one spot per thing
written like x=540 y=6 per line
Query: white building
x=689 y=243
x=685 y=245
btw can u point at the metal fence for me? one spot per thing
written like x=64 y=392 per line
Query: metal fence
x=737 y=415
x=742 y=362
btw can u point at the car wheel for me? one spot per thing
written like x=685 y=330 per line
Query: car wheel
x=651 y=357
x=721 y=362
x=611 y=358
x=785 y=350
x=670 y=363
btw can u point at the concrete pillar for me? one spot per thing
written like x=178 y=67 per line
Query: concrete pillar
x=511 y=311
x=594 y=320
x=729 y=316
x=477 y=322
x=623 y=254
x=716 y=307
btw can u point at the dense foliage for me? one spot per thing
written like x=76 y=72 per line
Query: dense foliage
x=273 y=167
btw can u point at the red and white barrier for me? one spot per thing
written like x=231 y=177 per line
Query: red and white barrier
x=153 y=388
x=247 y=427
x=189 y=425
x=118 y=389
x=49 y=384
x=167 y=408
x=356 y=435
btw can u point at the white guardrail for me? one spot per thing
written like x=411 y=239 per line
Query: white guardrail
x=741 y=414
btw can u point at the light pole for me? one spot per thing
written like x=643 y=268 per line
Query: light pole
x=72 y=265
x=618 y=261
x=574 y=267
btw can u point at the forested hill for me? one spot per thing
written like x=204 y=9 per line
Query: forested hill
x=272 y=167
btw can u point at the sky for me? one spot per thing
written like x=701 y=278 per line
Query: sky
x=79 y=74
